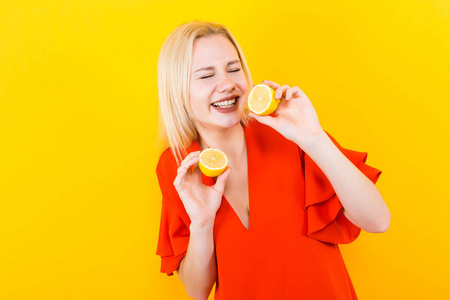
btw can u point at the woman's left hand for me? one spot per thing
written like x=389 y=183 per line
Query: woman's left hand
x=295 y=117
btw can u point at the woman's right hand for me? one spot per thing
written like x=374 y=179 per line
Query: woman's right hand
x=200 y=201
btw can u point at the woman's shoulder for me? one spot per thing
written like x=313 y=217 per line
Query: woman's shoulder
x=167 y=161
x=166 y=167
x=166 y=171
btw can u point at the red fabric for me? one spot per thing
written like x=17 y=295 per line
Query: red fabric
x=290 y=250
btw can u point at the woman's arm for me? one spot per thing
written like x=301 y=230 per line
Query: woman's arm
x=362 y=202
x=198 y=270
x=296 y=119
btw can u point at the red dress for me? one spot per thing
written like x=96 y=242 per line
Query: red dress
x=290 y=250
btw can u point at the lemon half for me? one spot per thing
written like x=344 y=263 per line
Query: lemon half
x=212 y=162
x=261 y=100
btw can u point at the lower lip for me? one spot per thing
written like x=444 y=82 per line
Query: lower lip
x=229 y=109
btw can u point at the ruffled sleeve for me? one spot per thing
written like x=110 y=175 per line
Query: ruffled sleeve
x=173 y=240
x=325 y=219
x=174 y=226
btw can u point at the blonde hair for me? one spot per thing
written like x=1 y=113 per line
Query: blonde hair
x=176 y=128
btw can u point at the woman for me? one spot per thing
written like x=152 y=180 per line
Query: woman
x=305 y=192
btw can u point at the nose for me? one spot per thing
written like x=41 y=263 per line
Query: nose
x=226 y=83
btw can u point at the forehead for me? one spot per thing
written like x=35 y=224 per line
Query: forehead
x=214 y=49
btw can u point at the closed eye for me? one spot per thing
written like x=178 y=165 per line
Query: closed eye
x=232 y=71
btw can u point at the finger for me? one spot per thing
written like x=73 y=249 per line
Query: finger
x=189 y=160
x=222 y=180
x=189 y=165
x=195 y=169
x=293 y=91
x=182 y=170
x=267 y=120
x=192 y=154
x=271 y=84
x=180 y=177
x=280 y=91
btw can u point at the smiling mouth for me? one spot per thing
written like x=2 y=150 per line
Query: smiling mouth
x=226 y=103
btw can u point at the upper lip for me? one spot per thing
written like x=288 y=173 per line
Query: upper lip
x=227 y=98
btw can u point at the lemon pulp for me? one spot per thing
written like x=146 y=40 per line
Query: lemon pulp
x=212 y=162
x=261 y=100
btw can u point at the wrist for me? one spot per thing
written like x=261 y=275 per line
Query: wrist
x=312 y=142
x=202 y=226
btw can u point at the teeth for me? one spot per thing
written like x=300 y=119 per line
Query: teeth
x=225 y=104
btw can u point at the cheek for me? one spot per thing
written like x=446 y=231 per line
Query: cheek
x=198 y=108
x=243 y=84
x=245 y=89
x=195 y=96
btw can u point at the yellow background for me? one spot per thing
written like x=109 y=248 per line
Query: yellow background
x=79 y=198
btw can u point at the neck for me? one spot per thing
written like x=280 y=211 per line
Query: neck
x=230 y=140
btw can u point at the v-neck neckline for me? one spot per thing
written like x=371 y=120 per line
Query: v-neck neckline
x=212 y=180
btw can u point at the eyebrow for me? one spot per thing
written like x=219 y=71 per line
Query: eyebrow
x=212 y=67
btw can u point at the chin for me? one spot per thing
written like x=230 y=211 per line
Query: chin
x=230 y=123
x=225 y=121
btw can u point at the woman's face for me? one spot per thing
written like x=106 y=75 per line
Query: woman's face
x=218 y=87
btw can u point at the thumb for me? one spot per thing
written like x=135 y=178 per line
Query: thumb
x=222 y=180
x=266 y=120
